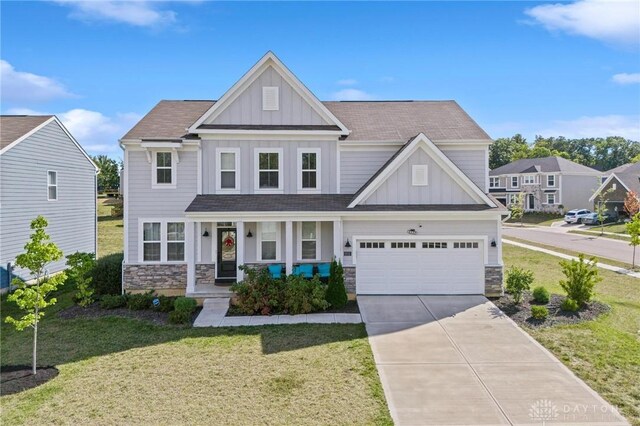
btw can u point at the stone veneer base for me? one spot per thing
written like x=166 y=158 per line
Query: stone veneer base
x=493 y=281
x=155 y=276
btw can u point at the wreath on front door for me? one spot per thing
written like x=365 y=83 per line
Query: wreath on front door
x=229 y=242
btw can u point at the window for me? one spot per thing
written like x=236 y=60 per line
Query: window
x=614 y=186
x=309 y=169
x=512 y=198
x=175 y=241
x=268 y=240
x=465 y=244
x=514 y=181
x=403 y=244
x=164 y=171
x=494 y=182
x=228 y=166
x=551 y=180
x=270 y=98
x=528 y=179
x=435 y=245
x=52 y=185
x=152 y=244
x=372 y=244
x=419 y=175
x=309 y=240
x=268 y=169
x=551 y=198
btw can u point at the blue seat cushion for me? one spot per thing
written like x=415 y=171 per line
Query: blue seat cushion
x=306 y=270
x=275 y=270
x=324 y=269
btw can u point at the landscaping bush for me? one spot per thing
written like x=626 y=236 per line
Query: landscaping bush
x=336 y=293
x=258 y=292
x=107 y=274
x=569 y=305
x=581 y=278
x=518 y=280
x=80 y=266
x=541 y=295
x=302 y=296
x=166 y=303
x=139 y=302
x=113 y=301
x=180 y=317
x=539 y=312
x=185 y=304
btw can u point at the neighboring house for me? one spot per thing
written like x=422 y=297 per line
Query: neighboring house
x=616 y=184
x=549 y=184
x=44 y=171
x=269 y=174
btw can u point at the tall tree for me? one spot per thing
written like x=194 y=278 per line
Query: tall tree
x=502 y=150
x=109 y=176
x=631 y=204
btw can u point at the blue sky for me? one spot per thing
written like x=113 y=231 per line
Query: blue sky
x=569 y=68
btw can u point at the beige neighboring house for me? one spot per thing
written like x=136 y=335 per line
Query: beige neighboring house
x=619 y=182
x=550 y=184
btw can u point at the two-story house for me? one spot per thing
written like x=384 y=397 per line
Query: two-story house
x=549 y=184
x=616 y=184
x=269 y=174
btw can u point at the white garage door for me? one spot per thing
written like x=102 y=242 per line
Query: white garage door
x=420 y=267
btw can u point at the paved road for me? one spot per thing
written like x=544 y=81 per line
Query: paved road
x=593 y=245
x=458 y=360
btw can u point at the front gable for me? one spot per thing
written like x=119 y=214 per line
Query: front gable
x=420 y=174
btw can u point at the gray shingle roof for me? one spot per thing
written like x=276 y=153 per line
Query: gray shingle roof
x=13 y=127
x=625 y=168
x=544 y=165
x=628 y=174
x=367 y=120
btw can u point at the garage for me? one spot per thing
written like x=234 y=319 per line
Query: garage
x=425 y=266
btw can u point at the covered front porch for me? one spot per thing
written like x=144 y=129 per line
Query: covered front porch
x=217 y=245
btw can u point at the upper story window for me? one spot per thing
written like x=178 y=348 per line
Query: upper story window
x=164 y=170
x=494 y=182
x=52 y=185
x=269 y=169
x=528 y=179
x=309 y=169
x=270 y=98
x=514 y=181
x=551 y=180
x=228 y=169
x=419 y=175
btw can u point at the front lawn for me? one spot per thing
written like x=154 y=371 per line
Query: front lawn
x=125 y=371
x=605 y=353
x=110 y=230
x=541 y=219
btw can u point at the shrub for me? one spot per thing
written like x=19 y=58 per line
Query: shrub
x=113 y=301
x=139 y=302
x=302 y=296
x=569 y=305
x=179 y=317
x=541 y=295
x=258 y=292
x=539 y=312
x=107 y=274
x=581 y=278
x=185 y=304
x=80 y=268
x=518 y=280
x=166 y=303
x=336 y=293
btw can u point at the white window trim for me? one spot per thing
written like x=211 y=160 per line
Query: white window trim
x=511 y=181
x=555 y=181
x=49 y=184
x=256 y=170
x=414 y=170
x=219 y=152
x=154 y=174
x=494 y=179
x=554 y=198
x=163 y=240
x=318 y=243
x=526 y=177
x=259 y=242
x=318 y=187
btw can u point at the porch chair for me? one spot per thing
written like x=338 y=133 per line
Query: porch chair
x=305 y=270
x=324 y=270
x=275 y=271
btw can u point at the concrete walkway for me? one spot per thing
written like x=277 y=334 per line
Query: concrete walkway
x=447 y=360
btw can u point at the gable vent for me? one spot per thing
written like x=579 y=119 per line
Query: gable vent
x=419 y=175
x=270 y=98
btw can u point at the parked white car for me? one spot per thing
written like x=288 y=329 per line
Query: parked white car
x=576 y=216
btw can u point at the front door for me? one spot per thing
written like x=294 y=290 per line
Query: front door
x=530 y=202
x=227 y=264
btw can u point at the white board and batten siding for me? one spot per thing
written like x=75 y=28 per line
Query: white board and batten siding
x=23 y=195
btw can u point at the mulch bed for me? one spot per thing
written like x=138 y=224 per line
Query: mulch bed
x=95 y=311
x=350 y=308
x=18 y=378
x=521 y=313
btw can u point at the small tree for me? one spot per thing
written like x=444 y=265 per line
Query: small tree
x=633 y=229
x=336 y=292
x=601 y=207
x=581 y=278
x=517 y=208
x=518 y=280
x=32 y=299
x=80 y=267
x=631 y=203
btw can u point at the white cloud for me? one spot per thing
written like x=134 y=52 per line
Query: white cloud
x=137 y=13
x=347 y=82
x=626 y=78
x=609 y=21
x=352 y=95
x=96 y=132
x=627 y=126
x=25 y=87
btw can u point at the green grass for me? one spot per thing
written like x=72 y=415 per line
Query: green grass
x=617 y=228
x=541 y=219
x=605 y=353
x=110 y=230
x=596 y=233
x=124 y=371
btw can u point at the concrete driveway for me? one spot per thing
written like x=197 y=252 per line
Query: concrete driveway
x=459 y=360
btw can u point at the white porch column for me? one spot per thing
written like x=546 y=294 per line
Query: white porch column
x=337 y=239
x=288 y=246
x=190 y=255
x=239 y=249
